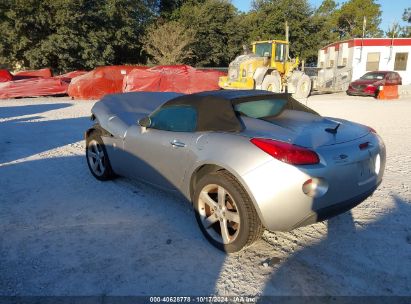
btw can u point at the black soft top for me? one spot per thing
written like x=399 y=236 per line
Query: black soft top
x=215 y=111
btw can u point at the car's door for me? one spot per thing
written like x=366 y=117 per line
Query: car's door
x=159 y=153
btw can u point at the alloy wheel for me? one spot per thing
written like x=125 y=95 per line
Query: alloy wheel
x=96 y=157
x=219 y=214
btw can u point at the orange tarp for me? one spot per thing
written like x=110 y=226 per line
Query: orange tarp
x=33 y=87
x=44 y=73
x=172 y=78
x=5 y=75
x=99 y=82
x=73 y=74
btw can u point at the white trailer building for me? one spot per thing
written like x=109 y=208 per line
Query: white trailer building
x=341 y=62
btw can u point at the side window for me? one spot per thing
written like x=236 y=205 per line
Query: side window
x=179 y=118
x=279 y=52
x=373 y=62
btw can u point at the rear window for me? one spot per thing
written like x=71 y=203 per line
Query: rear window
x=261 y=108
x=269 y=107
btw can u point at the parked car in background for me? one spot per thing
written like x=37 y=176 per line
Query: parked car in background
x=368 y=84
x=247 y=160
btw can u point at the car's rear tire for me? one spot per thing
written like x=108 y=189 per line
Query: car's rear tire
x=97 y=158
x=225 y=212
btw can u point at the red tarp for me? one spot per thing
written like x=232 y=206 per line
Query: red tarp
x=44 y=73
x=172 y=78
x=71 y=75
x=100 y=81
x=33 y=87
x=5 y=76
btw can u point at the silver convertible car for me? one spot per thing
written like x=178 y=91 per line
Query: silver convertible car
x=247 y=160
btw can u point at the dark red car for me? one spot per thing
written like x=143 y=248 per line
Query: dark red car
x=368 y=84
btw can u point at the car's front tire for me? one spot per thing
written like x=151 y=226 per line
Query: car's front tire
x=225 y=212
x=97 y=158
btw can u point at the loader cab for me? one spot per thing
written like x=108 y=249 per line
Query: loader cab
x=274 y=51
x=268 y=67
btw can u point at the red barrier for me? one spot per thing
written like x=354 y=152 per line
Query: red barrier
x=33 y=87
x=99 y=82
x=172 y=78
x=5 y=76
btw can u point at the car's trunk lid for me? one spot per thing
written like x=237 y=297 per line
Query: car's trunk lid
x=304 y=129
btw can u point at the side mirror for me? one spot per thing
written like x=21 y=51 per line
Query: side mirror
x=145 y=122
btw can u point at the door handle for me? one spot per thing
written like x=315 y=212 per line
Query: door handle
x=178 y=144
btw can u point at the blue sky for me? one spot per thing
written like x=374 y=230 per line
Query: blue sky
x=391 y=9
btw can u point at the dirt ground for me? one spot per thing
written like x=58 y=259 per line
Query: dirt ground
x=62 y=232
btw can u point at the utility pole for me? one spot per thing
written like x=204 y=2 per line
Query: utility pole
x=287 y=54
x=364 y=25
x=287 y=48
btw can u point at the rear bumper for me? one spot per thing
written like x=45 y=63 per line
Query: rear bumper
x=277 y=193
x=334 y=210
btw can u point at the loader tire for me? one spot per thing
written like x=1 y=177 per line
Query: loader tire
x=272 y=83
x=303 y=88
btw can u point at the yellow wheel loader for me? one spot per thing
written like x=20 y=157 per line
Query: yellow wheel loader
x=267 y=67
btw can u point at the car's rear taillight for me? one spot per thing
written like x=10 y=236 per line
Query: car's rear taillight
x=372 y=130
x=364 y=146
x=286 y=152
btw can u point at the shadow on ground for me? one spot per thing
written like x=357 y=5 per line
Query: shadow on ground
x=64 y=233
x=23 y=137
x=8 y=112
x=373 y=259
x=69 y=234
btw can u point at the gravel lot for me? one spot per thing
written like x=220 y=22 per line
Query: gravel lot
x=64 y=233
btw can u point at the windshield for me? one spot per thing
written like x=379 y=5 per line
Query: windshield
x=373 y=76
x=263 y=49
x=265 y=108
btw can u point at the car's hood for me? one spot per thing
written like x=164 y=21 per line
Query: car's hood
x=366 y=82
x=305 y=129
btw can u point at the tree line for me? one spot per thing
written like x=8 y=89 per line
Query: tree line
x=83 y=34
